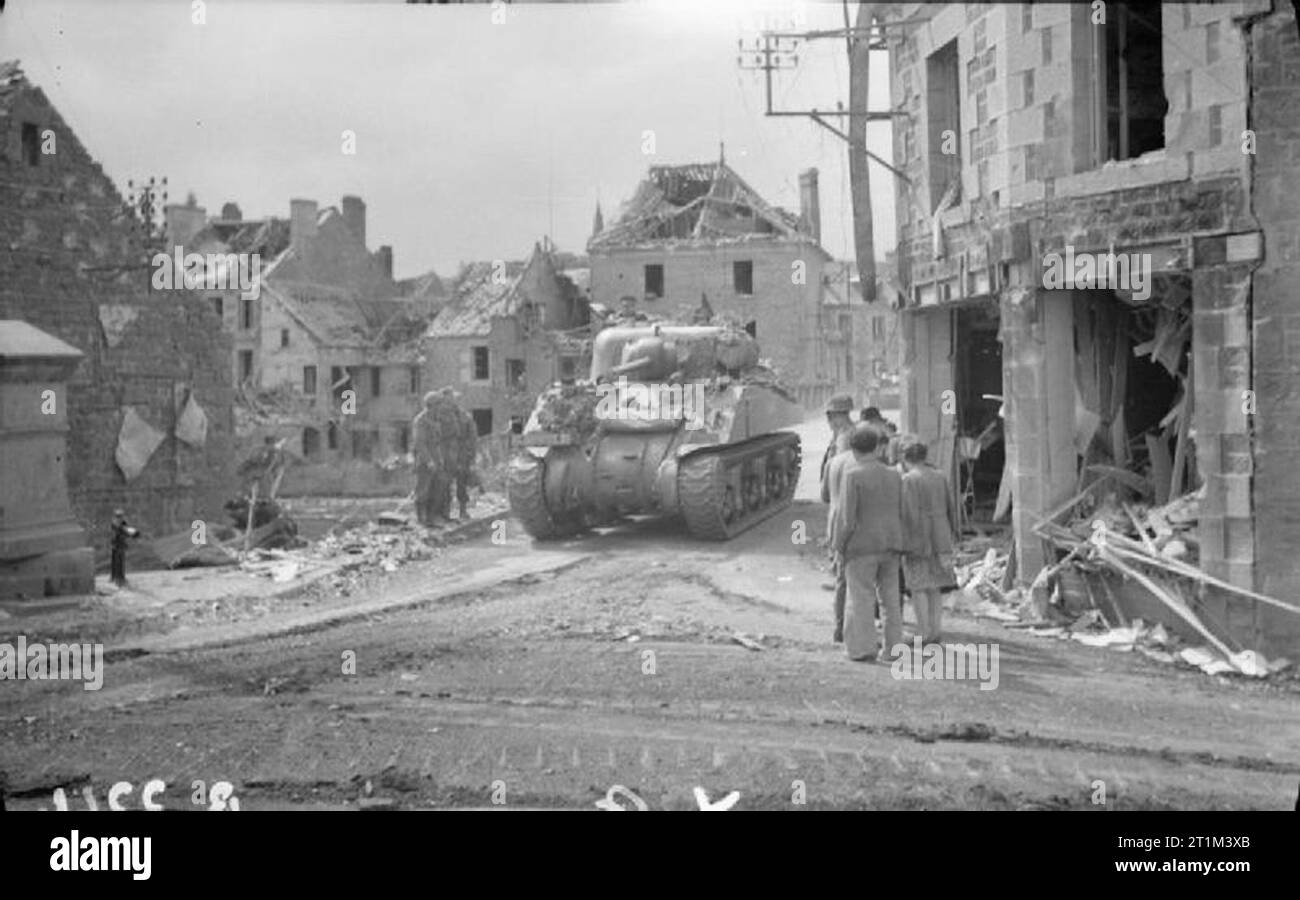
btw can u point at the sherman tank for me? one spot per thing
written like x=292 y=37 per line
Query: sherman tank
x=675 y=420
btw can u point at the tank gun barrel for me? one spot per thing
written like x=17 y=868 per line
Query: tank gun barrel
x=632 y=366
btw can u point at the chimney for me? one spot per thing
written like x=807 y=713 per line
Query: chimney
x=810 y=203
x=302 y=221
x=354 y=216
x=385 y=257
x=230 y=212
x=183 y=222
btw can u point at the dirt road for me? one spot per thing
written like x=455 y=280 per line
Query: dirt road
x=532 y=675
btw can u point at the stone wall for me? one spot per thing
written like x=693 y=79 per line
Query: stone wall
x=785 y=313
x=70 y=254
x=1274 y=318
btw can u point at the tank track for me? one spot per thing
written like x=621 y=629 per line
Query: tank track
x=526 y=491
x=709 y=504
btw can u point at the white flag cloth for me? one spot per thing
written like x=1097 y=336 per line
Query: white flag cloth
x=136 y=442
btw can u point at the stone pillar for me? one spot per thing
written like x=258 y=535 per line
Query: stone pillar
x=1225 y=399
x=926 y=372
x=1275 y=321
x=43 y=551
x=1037 y=333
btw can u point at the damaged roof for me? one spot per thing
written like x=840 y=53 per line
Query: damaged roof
x=483 y=291
x=391 y=326
x=11 y=81
x=423 y=287
x=697 y=203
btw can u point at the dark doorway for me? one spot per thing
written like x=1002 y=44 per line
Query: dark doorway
x=981 y=447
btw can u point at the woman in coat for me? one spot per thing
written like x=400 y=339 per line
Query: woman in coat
x=929 y=535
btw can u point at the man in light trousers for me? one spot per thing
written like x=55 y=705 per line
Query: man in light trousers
x=869 y=538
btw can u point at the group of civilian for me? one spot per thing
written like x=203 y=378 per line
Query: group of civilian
x=891 y=528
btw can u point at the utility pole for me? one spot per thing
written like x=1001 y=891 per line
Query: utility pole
x=864 y=241
x=774 y=50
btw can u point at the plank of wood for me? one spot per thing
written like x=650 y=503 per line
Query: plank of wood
x=1189 y=571
x=1003 y=507
x=1118 y=393
x=1180 y=446
x=1158 y=451
x=1110 y=595
x=1141 y=530
x=1066 y=506
x=1163 y=596
x=1125 y=477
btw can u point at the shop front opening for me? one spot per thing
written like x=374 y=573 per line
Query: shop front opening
x=981 y=448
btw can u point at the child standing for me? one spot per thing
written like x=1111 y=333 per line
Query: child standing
x=929 y=534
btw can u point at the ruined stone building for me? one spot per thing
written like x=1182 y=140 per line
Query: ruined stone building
x=508 y=331
x=327 y=319
x=149 y=412
x=866 y=336
x=190 y=230
x=698 y=232
x=1035 y=135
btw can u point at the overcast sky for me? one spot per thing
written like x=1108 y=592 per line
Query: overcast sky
x=473 y=139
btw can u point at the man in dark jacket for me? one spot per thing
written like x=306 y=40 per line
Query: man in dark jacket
x=869 y=538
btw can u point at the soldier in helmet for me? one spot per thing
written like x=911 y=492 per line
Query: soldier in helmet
x=430 y=467
x=449 y=426
x=838 y=416
x=464 y=454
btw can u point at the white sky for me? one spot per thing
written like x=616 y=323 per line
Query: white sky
x=472 y=137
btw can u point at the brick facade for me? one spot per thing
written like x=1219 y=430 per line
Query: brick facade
x=1273 y=317
x=785 y=313
x=68 y=253
x=1224 y=220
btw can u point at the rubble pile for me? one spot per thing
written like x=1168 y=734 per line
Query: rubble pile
x=1108 y=546
x=373 y=546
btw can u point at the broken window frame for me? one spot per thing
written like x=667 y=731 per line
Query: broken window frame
x=657 y=278
x=480 y=363
x=516 y=373
x=30 y=142
x=1117 y=27
x=742 y=277
x=943 y=77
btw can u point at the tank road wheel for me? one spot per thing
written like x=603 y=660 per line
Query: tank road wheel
x=526 y=489
x=729 y=509
x=787 y=464
x=708 y=503
x=713 y=508
x=776 y=481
